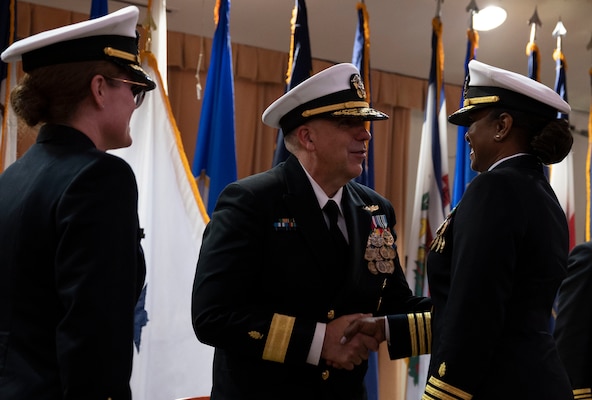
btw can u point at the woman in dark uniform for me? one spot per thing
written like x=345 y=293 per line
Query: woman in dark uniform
x=498 y=259
x=71 y=263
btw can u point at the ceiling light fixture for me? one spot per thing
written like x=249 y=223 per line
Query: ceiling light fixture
x=489 y=18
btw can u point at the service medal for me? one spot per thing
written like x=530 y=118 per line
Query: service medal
x=380 y=251
x=385 y=266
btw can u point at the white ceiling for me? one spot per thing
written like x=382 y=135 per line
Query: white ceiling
x=401 y=33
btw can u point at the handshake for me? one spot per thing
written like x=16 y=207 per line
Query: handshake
x=350 y=338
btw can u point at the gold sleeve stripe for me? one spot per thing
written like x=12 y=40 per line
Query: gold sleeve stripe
x=278 y=338
x=428 y=318
x=436 y=394
x=426 y=396
x=582 y=394
x=421 y=338
x=444 y=391
x=420 y=333
x=412 y=333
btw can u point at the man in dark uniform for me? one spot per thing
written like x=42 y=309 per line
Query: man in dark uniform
x=277 y=282
x=497 y=260
x=573 y=327
x=71 y=264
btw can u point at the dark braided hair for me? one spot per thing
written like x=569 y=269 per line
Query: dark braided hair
x=550 y=140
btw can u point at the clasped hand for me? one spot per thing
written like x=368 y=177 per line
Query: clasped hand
x=350 y=338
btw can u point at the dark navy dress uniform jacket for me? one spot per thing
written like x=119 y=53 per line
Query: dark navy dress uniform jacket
x=493 y=283
x=267 y=274
x=71 y=269
x=573 y=328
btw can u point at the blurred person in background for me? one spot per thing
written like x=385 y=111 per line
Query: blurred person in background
x=573 y=326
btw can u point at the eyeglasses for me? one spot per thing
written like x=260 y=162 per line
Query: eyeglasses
x=138 y=89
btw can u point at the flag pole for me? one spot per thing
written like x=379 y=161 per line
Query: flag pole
x=589 y=161
x=561 y=174
x=198 y=86
x=463 y=174
x=532 y=50
x=558 y=33
x=299 y=66
x=533 y=22
x=472 y=9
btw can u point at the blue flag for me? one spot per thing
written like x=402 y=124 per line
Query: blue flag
x=214 y=165
x=6 y=36
x=98 y=8
x=534 y=56
x=463 y=174
x=361 y=59
x=560 y=80
x=299 y=65
x=588 y=230
x=534 y=62
x=7 y=76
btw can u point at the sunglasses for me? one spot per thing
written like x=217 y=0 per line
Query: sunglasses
x=138 y=89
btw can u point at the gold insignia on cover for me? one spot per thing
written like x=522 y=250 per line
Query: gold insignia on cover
x=256 y=335
x=349 y=113
x=442 y=369
x=358 y=85
x=380 y=251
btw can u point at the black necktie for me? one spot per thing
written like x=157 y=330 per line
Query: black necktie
x=332 y=211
